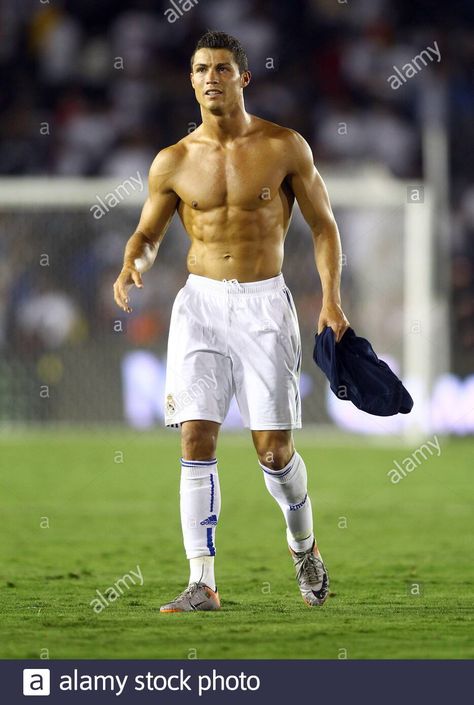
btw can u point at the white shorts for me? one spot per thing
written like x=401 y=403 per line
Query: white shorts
x=231 y=338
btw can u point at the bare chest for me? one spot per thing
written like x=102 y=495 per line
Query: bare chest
x=246 y=178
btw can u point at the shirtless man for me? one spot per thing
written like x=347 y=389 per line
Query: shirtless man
x=234 y=329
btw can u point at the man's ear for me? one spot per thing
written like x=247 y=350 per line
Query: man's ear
x=245 y=79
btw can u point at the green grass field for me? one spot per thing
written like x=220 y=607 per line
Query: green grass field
x=379 y=541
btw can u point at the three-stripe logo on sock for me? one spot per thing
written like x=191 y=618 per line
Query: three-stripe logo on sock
x=210 y=519
x=210 y=544
x=200 y=497
x=211 y=478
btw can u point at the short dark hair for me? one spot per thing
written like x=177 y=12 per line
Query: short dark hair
x=222 y=40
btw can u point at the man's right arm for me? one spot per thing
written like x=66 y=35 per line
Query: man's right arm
x=141 y=249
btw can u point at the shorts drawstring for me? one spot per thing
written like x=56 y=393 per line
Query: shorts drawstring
x=234 y=282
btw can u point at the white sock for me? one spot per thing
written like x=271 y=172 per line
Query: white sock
x=201 y=570
x=200 y=504
x=290 y=489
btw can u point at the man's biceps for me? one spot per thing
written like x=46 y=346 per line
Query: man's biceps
x=320 y=188
x=149 y=218
x=299 y=186
x=161 y=204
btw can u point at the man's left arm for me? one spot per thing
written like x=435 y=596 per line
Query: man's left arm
x=311 y=194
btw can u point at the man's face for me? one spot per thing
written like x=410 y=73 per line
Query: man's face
x=216 y=80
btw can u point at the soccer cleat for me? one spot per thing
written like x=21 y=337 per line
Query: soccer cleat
x=196 y=597
x=311 y=576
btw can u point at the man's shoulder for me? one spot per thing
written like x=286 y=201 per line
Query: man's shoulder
x=165 y=166
x=167 y=159
x=287 y=144
x=278 y=132
x=170 y=158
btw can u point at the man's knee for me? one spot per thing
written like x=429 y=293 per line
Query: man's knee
x=199 y=439
x=274 y=448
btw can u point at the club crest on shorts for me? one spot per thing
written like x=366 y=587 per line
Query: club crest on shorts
x=170 y=405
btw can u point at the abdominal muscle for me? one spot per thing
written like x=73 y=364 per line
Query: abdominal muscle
x=245 y=262
x=245 y=248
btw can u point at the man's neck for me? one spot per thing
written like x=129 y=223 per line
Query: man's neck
x=225 y=128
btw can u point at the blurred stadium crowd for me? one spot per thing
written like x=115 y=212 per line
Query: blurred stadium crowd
x=110 y=78
x=97 y=88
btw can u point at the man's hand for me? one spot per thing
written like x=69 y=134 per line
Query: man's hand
x=125 y=280
x=332 y=316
